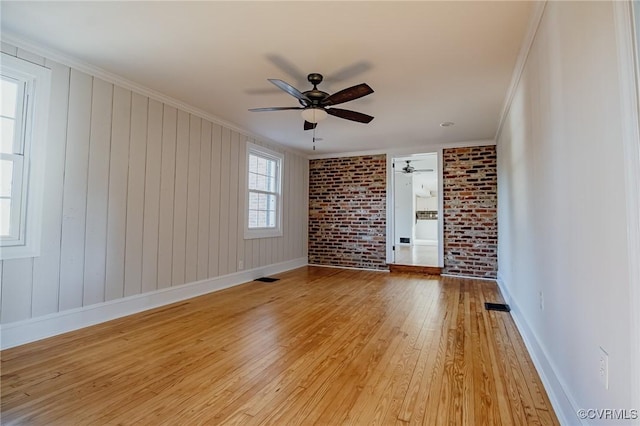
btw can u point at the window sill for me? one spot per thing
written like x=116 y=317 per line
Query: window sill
x=252 y=234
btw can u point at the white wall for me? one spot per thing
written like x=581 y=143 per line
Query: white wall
x=404 y=199
x=140 y=196
x=562 y=210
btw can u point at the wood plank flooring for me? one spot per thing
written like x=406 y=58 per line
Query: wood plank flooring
x=321 y=346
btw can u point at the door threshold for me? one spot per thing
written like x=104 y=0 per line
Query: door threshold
x=415 y=269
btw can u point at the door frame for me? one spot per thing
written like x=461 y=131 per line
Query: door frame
x=391 y=157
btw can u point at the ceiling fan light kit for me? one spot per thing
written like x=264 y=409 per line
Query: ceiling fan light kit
x=316 y=104
x=314 y=115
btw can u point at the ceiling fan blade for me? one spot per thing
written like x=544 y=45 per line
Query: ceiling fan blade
x=348 y=94
x=349 y=115
x=290 y=90
x=273 y=109
x=309 y=126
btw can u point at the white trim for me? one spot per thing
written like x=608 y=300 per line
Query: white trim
x=629 y=96
x=265 y=153
x=391 y=219
x=563 y=405
x=22 y=332
x=35 y=123
x=107 y=76
x=390 y=228
x=532 y=30
x=350 y=268
x=406 y=150
x=469 y=277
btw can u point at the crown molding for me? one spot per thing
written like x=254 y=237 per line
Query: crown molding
x=80 y=65
x=532 y=30
x=418 y=149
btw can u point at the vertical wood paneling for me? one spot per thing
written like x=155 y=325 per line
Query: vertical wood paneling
x=31 y=57
x=290 y=198
x=256 y=252
x=19 y=298
x=248 y=244
x=46 y=267
x=167 y=179
x=242 y=182
x=193 y=194
x=118 y=176
x=16 y=299
x=225 y=168
x=214 y=209
x=180 y=199
x=286 y=202
x=298 y=220
x=223 y=242
x=135 y=195
x=95 y=249
x=139 y=196
x=264 y=251
x=294 y=192
x=204 y=201
x=232 y=263
x=75 y=192
x=152 y=198
x=8 y=49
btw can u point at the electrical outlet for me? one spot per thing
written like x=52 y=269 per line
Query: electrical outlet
x=541 y=298
x=603 y=368
x=240 y=265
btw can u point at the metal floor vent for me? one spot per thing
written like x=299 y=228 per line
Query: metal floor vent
x=267 y=279
x=497 y=307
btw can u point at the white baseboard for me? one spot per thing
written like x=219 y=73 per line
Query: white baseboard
x=21 y=332
x=467 y=277
x=563 y=405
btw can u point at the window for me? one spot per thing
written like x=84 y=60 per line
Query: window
x=264 y=197
x=24 y=95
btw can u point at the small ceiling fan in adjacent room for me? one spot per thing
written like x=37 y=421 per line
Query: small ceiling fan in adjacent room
x=408 y=168
x=316 y=104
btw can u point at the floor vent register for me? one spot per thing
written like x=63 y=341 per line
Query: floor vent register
x=503 y=307
x=267 y=279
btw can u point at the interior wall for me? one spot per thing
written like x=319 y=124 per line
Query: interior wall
x=139 y=196
x=563 y=253
x=403 y=213
x=470 y=211
x=347 y=211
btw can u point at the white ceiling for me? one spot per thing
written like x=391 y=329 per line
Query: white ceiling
x=428 y=62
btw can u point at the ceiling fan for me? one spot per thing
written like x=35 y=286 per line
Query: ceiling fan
x=410 y=169
x=316 y=104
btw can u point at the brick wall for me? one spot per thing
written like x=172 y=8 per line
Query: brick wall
x=347 y=212
x=470 y=211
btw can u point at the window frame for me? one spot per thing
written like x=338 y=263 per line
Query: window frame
x=266 y=153
x=29 y=161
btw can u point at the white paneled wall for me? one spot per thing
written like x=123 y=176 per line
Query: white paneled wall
x=139 y=196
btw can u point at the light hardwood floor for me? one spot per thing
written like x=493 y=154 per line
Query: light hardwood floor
x=320 y=346
x=422 y=255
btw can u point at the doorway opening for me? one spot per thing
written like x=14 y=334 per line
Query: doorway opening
x=416 y=200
